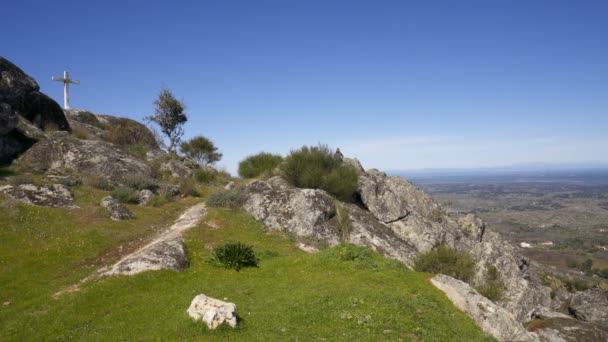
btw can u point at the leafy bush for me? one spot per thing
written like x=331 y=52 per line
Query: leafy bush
x=187 y=187
x=98 y=182
x=234 y=255
x=493 y=287
x=204 y=176
x=124 y=194
x=159 y=200
x=259 y=164
x=130 y=133
x=445 y=260
x=21 y=179
x=201 y=150
x=231 y=199
x=349 y=252
x=317 y=167
x=139 y=182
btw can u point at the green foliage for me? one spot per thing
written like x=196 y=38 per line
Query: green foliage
x=205 y=176
x=139 y=182
x=444 y=260
x=130 y=133
x=493 y=288
x=259 y=164
x=230 y=199
x=98 y=182
x=586 y=266
x=170 y=117
x=187 y=187
x=21 y=179
x=317 y=167
x=344 y=221
x=160 y=200
x=349 y=252
x=234 y=255
x=201 y=150
x=124 y=194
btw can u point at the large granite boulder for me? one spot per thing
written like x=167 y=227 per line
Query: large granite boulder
x=590 y=305
x=54 y=195
x=164 y=254
x=213 y=312
x=20 y=96
x=491 y=318
x=117 y=211
x=60 y=153
x=303 y=212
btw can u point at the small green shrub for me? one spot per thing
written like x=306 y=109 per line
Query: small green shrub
x=187 y=187
x=124 y=194
x=159 y=200
x=317 y=167
x=127 y=132
x=445 y=260
x=493 y=288
x=138 y=150
x=231 y=199
x=349 y=252
x=20 y=180
x=259 y=164
x=204 y=176
x=98 y=182
x=344 y=221
x=139 y=182
x=234 y=255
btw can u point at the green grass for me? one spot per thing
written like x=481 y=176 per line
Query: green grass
x=291 y=296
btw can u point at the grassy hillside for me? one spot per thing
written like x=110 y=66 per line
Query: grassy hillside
x=342 y=293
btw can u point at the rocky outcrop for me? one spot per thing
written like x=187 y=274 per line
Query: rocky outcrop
x=117 y=211
x=590 y=305
x=178 y=168
x=279 y=183
x=167 y=254
x=391 y=198
x=144 y=196
x=54 y=195
x=60 y=153
x=491 y=318
x=560 y=329
x=20 y=96
x=303 y=212
x=213 y=312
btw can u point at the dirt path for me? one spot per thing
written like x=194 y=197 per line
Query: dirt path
x=165 y=251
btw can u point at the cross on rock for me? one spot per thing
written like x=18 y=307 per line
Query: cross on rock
x=66 y=87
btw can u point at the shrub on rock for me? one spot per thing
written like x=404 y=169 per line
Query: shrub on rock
x=317 y=167
x=232 y=198
x=125 y=195
x=444 y=260
x=259 y=164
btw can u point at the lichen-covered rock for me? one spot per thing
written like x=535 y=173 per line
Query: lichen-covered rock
x=144 y=196
x=54 y=195
x=391 y=198
x=491 y=318
x=178 y=168
x=279 y=183
x=117 y=211
x=165 y=254
x=169 y=190
x=590 y=305
x=213 y=312
x=303 y=212
x=60 y=153
x=560 y=329
x=355 y=163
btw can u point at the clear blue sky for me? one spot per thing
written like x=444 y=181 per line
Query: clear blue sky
x=398 y=84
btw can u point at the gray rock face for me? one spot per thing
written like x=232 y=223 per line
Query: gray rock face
x=8 y=118
x=177 y=168
x=354 y=163
x=170 y=254
x=491 y=318
x=279 y=183
x=590 y=305
x=61 y=152
x=391 y=198
x=213 y=312
x=561 y=329
x=144 y=196
x=116 y=209
x=20 y=95
x=303 y=212
x=54 y=195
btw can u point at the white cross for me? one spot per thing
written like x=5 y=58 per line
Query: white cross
x=66 y=88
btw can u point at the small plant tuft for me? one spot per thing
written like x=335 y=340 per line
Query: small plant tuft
x=234 y=255
x=20 y=180
x=98 y=182
x=344 y=221
x=139 y=182
x=493 y=288
x=187 y=187
x=205 y=176
x=444 y=260
x=125 y=194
